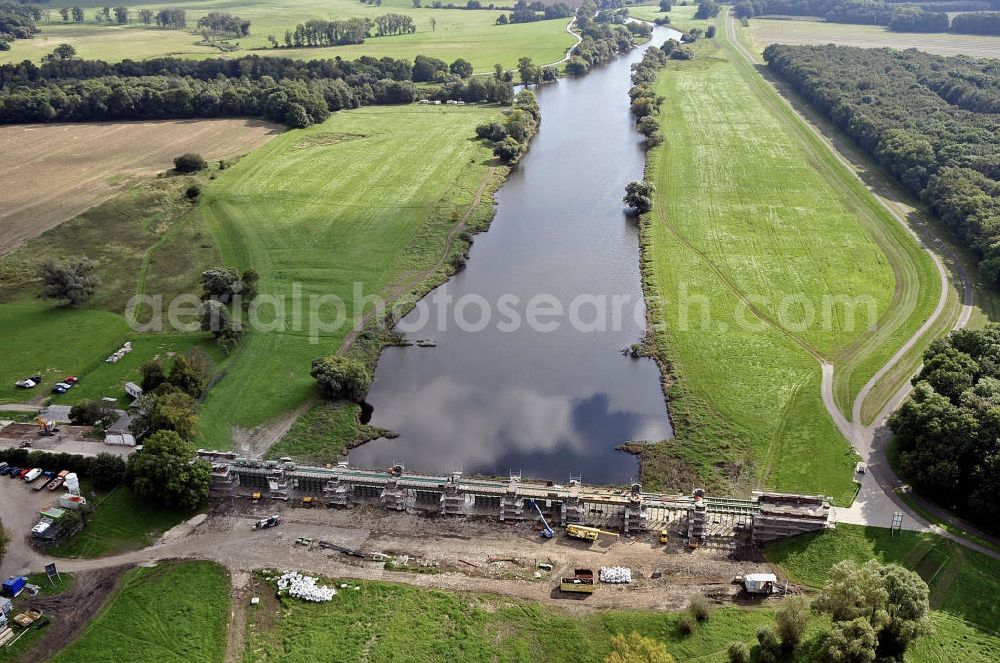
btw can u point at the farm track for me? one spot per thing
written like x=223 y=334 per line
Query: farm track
x=863 y=436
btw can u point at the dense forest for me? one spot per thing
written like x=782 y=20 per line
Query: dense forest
x=948 y=434
x=17 y=21
x=933 y=122
x=897 y=16
x=293 y=92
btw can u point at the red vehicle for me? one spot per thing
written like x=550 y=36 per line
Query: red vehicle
x=22 y=473
x=71 y=380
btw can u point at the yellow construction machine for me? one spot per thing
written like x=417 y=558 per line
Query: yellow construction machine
x=587 y=533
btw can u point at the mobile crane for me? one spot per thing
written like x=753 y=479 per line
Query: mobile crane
x=547 y=531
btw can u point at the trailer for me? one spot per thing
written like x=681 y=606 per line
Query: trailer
x=582 y=582
x=265 y=523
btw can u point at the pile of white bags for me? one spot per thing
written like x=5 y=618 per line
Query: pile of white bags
x=304 y=587
x=618 y=575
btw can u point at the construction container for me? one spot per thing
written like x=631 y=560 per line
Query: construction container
x=760 y=583
x=13 y=586
x=582 y=582
x=73 y=502
x=52 y=513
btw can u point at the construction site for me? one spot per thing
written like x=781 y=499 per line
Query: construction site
x=699 y=518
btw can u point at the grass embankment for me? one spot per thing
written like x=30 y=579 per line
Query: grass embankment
x=169 y=613
x=766 y=31
x=325 y=433
x=457 y=33
x=757 y=239
x=368 y=197
x=964 y=584
x=147 y=239
x=120 y=521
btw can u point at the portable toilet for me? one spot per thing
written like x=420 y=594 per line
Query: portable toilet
x=13 y=586
x=72 y=483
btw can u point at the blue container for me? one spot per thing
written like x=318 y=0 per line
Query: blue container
x=14 y=585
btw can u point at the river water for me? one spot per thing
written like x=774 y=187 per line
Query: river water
x=549 y=403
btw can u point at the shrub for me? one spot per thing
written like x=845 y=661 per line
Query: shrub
x=738 y=653
x=791 y=621
x=190 y=163
x=769 y=647
x=698 y=607
x=340 y=377
x=685 y=625
x=193 y=191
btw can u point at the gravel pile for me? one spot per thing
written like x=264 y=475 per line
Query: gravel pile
x=618 y=575
x=304 y=587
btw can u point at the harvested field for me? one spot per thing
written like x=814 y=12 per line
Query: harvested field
x=57 y=171
x=781 y=31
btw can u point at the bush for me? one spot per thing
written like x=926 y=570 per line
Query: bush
x=685 y=625
x=699 y=608
x=769 y=647
x=791 y=620
x=108 y=470
x=738 y=653
x=73 y=280
x=189 y=163
x=193 y=191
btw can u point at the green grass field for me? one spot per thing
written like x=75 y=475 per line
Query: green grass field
x=171 y=613
x=121 y=521
x=761 y=224
x=963 y=583
x=367 y=197
x=324 y=434
x=457 y=33
x=681 y=17
x=767 y=31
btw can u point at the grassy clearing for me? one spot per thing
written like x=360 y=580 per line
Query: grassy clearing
x=121 y=521
x=389 y=622
x=64 y=582
x=755 y=235
x=457 y=33
x=314 y=213
x=964 y=584
x=169 y=613
x=681 y=17
x=765 y=31
x=324 y=434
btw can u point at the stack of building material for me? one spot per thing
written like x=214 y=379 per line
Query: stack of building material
x=304 y=587
x=618 y=575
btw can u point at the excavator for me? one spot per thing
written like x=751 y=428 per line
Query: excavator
x=46 y=427
x=547 y=532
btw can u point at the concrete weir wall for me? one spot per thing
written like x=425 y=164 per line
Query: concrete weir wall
x=767 y=516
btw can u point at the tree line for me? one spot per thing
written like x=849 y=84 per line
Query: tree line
x=318 y=32
x=170 y=18
x=599 y=41
x=933 y=122
x=536 y=11
x=948 y=434
x=223 y=23
x=899 y=17
x=510 y=137
x=17 y=21
x=292 y=92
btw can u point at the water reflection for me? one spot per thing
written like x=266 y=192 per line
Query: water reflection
x=546 y=403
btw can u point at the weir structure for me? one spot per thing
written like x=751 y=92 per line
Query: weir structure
x=765 y=517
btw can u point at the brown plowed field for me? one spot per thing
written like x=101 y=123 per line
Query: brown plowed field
x=52 y=172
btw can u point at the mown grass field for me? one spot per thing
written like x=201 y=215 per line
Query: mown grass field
x=457 y=33
x=963 y=583
x=756 y=240
x=765 y=31
x=367 y=197
x=175 y=612
x=323 y=434
x=390 y=622
x=681 y=17
x=121 y=521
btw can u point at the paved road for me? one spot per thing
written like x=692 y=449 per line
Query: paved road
x=877 y=500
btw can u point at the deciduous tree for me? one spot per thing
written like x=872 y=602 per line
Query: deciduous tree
x=73 y=280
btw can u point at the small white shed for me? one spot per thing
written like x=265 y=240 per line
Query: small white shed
x=760 y=583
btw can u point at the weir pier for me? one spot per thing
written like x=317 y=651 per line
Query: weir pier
x=766 y=516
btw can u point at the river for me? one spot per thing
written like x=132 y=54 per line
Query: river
x=549 y=403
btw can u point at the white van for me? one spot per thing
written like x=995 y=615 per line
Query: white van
x=32 y=475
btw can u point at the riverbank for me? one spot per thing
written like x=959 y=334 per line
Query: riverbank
x=759 y=258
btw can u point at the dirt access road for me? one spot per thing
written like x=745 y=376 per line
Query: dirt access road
x=53 y=172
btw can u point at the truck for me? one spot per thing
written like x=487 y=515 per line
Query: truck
x=582 y=582
x=265 y=523
x=47 y=478
x=586 y=533
x=33 y=474
x=58 y=481
x=72 y=502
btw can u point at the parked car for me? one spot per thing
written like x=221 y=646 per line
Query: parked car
x=23 y=473
x=54 y=485
x=4 y=468
x=29 y=383
x=71 y=379
x=32 y=474
x=61 y=388
x=13 y=471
